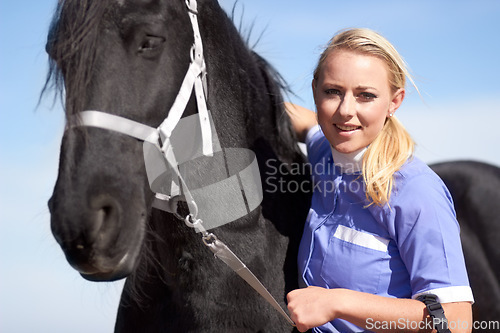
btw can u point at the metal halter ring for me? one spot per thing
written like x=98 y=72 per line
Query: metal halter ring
x=209 y=239
x=192 y=222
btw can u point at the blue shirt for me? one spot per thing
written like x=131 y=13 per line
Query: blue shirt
x=404 y=249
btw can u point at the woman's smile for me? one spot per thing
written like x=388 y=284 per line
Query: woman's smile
x=347 y=128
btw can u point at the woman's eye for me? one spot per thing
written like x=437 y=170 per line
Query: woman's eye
x=366 y=96
x=334 y=92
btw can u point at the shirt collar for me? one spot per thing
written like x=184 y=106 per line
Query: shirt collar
x=349 y=163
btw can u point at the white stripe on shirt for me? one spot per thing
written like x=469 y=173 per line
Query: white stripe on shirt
x=450 y=294
x=361 y=238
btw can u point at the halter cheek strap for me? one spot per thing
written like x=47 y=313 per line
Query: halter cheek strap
x=195 y=77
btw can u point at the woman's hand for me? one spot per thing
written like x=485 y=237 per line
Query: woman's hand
x=311 y=307
x=302 y=119
x=314 y=306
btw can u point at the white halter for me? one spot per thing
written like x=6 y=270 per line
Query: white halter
x=158 y=142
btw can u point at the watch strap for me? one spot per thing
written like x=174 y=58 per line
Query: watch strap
x=436 y=312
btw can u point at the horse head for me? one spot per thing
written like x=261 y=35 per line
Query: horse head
x=126 y=58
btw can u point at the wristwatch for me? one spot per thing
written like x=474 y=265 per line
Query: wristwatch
x=436 y=312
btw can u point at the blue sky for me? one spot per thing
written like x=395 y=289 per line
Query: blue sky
x=450 y=46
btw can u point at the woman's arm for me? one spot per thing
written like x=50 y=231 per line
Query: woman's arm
x=302 y=119
x=314 y=306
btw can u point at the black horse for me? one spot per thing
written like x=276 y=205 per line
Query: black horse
x=475 y=188
x=128 y=58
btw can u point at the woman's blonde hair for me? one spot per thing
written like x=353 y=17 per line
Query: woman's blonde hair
x=393 y=146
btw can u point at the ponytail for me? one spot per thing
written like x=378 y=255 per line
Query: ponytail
x=385 y=155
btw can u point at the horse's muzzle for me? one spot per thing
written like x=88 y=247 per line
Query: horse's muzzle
x=93 y=239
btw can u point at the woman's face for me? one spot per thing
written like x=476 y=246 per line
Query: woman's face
x=353 y=99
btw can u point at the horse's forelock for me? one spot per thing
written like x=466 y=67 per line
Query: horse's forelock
x=71 y=46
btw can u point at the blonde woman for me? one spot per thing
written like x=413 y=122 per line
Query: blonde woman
x=381 y=231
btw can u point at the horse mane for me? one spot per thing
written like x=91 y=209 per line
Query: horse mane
x=276 y=87
x=71 y=42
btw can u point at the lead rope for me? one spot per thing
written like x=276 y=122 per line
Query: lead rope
x=218 y=248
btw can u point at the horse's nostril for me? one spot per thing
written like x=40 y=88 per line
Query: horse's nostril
x=107 y=218
x=105 y=215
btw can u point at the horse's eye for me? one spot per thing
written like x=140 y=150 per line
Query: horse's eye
x=150 y=44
